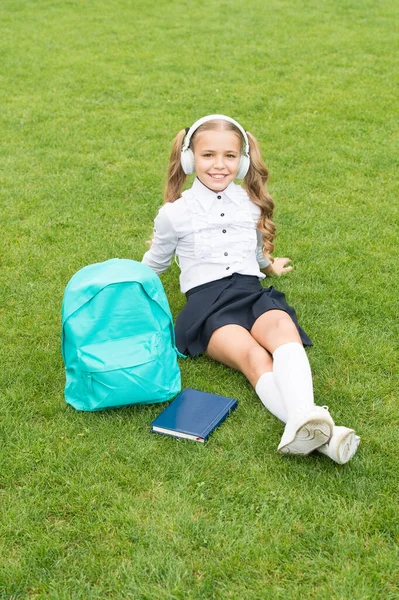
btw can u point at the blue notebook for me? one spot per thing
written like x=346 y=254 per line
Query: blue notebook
x=193 y=415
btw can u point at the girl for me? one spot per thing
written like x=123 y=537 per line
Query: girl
x=223 y=236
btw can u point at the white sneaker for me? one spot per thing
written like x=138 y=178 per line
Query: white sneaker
x=342 y=446
x=307 y=431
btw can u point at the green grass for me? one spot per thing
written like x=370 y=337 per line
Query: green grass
x=92 y=506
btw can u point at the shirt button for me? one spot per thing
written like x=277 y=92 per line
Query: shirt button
x=226 y=253
x=219 y=197
x=222 y=214
x=227 y=268
x=223 y=231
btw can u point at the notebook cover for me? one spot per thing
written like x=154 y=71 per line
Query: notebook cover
x=194 y=413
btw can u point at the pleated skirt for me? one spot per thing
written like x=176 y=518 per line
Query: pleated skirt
x=238 y=299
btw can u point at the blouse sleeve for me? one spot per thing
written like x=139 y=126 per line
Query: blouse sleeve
x=164 y=243
x=263 y=262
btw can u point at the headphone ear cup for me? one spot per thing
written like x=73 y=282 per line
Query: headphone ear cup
x=187 y=161
x=244 y=166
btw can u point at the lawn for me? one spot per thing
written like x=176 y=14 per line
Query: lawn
x=93 y=506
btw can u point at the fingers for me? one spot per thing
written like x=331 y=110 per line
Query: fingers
x=280 y=266
x=284 y=260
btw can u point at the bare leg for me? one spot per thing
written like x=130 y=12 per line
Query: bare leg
x=235 y=347
x=273 y=329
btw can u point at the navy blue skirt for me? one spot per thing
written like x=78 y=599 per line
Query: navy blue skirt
x=238 y=299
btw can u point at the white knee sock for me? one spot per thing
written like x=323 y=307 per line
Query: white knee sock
x=293 y=377
x=270 y=396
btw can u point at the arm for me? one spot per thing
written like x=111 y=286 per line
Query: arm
x=163 y=245
x=263 y=262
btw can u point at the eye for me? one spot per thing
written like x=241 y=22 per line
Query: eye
x=207 y=155
x=231 y=156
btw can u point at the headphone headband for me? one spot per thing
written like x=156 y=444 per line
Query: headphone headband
x=200 y=122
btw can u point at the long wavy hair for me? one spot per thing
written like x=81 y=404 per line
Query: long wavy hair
x=254 y=181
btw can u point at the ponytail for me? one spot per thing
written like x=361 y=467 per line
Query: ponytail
x=255 y=185
x=176 y=175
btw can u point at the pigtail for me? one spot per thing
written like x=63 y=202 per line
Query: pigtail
x=255 y=185
x=176 y=175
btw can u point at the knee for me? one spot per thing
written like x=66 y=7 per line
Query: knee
x=282 y=324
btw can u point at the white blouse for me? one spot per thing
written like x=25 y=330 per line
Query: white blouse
x=212 y=234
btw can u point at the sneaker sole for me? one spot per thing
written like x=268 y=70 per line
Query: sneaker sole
x=308 y=438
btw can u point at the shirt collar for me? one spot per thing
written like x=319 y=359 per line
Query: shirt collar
x=207 y=196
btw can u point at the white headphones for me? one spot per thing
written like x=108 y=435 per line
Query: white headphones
x=187 y=155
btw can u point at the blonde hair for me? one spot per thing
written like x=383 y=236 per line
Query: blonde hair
x=254 y=181
x=255 y=185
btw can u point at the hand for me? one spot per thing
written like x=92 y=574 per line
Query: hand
x=279 y=266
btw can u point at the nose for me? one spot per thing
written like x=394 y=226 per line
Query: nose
x=219 y=162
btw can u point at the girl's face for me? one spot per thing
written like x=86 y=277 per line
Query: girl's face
x=217 y=158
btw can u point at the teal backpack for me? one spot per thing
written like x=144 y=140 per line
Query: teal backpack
x=118 y=341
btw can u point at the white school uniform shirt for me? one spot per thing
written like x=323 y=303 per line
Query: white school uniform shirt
x=212 y=234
